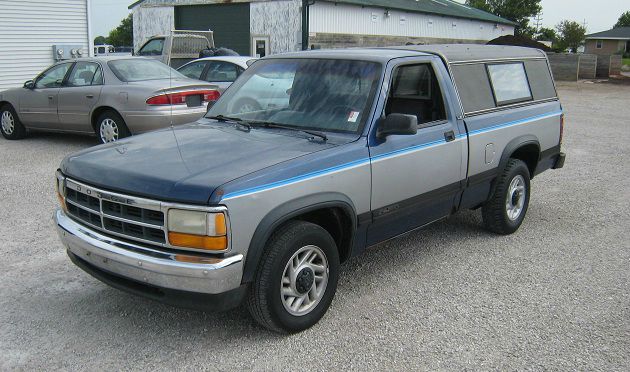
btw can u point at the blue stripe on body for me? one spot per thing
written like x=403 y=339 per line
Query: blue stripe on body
x=405 y=150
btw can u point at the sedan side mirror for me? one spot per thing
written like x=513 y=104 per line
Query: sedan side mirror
x=29 y=84
x=397 y=124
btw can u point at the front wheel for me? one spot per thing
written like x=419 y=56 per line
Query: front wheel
x=110 y=127
x=296 y=278
x=505 y=211
x=11 y=126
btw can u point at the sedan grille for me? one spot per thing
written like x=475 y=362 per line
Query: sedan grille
x=115 y=214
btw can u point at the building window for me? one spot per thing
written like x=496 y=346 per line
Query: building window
x=509 y=83
x=599 y=44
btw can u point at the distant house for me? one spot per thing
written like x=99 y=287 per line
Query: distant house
x=608 y=42
x=261 y=27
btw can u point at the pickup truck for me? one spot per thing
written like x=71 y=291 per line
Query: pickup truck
x=177 y=48
x=262 y=207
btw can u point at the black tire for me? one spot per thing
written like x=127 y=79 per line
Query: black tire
x=496 y=211
x=118 y=122
x=266 y=303
x=13 y=128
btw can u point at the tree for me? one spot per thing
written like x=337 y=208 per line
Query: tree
x=518 y=11
x=570 y=35
x=546 y=34
x=123 y=34
x=100 y=40
x=624 y=20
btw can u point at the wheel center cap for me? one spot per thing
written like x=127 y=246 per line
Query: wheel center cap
x=515 y=198
x=304 y=280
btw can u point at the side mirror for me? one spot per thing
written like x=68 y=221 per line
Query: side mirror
x=30 y=84
x=397 y=124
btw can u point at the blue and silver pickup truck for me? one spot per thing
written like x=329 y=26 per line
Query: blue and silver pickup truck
x=261 y=207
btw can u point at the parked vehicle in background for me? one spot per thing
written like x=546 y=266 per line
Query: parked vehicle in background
x=177 y=48
x=112 y=97
x=262 y=207
x=103 y=50
x=221 y=71
x=110 y=50
x=263 y=91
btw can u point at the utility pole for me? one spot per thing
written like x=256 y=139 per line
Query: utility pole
x=584 y=24
x=538 y=20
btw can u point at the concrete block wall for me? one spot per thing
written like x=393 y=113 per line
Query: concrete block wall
x=322 y=40
x=564 y=66
x=588 y=66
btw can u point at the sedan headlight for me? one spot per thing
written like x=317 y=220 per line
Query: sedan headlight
x=196 y=229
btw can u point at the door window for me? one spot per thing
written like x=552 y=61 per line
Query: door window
x=84 y=74
x=222 y=72
x=53 y=77
x=193 y=70
x=415 y=91
x=152 y=48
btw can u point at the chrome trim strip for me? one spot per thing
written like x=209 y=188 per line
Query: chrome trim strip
x=143 y=224
x=507 y=107
x=172 y=270
x=476 y=61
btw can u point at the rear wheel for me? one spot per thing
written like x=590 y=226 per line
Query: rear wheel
x=110 y=127
x=10 y=125
x=296 y=278
x=505 y=211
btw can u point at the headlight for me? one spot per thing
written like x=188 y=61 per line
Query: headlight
x=195 y=229
x=60 y=189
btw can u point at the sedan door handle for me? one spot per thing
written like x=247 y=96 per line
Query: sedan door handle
x=449 y=136
x=90 y=96
x=51 y=97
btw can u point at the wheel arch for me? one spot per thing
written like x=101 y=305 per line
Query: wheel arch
x=98 y=111
x=334 y=212
x=525 y=148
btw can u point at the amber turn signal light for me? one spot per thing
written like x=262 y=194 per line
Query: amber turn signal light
x=210 y=243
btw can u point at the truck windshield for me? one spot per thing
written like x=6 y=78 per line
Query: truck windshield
x=140 y=69
x=320 y=94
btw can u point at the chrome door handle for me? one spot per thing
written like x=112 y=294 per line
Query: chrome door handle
x=90 y=96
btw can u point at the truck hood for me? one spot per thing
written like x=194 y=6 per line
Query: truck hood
x=185 y=164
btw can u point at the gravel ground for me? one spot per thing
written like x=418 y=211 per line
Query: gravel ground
x=555 y=295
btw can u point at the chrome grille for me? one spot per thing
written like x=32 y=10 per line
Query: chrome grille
x=124 y=216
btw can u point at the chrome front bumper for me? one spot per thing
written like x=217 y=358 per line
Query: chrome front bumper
x=140 y=263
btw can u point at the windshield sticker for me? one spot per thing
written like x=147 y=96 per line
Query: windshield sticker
x=354 y=116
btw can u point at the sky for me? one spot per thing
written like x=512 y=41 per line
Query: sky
x=600 y=15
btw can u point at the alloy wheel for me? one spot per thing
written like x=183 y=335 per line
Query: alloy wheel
x=109 y=131
x=8 y=122
x=304 y=280
x=515 y=200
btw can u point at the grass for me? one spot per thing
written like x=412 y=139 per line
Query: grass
x=626 y=61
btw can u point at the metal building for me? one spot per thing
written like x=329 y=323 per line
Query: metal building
x=261 y=27
x=34 y=32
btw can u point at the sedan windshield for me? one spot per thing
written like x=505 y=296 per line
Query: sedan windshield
x=140 y=69
x=320 y=94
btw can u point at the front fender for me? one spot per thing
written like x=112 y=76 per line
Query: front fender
x=285 y=212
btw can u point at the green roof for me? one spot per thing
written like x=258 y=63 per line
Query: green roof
x=438 y=7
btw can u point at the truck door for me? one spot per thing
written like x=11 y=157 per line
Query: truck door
x=38 y=106
x=415 y=178
x=79 y=95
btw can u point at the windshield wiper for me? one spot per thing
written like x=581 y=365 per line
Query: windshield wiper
x=240 y=122
x=280 y=126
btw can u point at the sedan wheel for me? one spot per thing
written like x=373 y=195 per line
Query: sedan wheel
x=109 y=131
x=8 y=122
